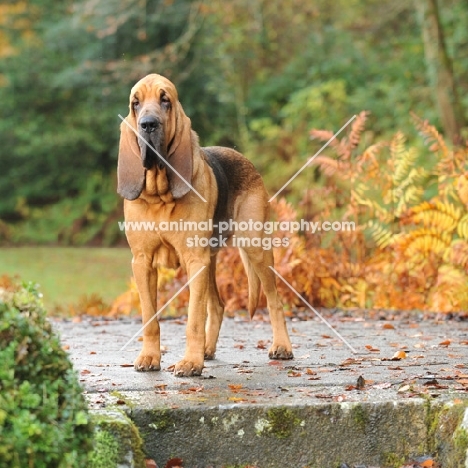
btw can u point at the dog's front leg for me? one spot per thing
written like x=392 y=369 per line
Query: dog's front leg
x=192 y=363
x=146 y=278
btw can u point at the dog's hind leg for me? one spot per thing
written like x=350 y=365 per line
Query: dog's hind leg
x=261 y=260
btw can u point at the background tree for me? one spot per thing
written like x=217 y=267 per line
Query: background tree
x=255 y=75
x=440 y=70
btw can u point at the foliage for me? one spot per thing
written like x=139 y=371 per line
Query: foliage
x=43 y=415
x=250 y=74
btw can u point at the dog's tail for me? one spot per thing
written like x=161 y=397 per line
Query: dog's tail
x=254 y=283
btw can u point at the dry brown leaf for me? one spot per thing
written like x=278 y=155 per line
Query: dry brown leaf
x=235 y=387
x=372 y=349
x=234 y=398
x=427 y=463
x=174 y=463
x=399 y=355
x=262 y=344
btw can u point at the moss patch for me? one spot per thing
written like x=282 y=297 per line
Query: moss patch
x=360 y=417
x=280 y=423
x=106 y=450
x=161 y=419
x=117 y=442
x=449 y=438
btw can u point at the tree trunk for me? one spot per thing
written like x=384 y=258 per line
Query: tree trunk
x=440 y=70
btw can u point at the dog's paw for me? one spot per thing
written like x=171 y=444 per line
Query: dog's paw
x=147 y=362
x=280 y=352
x=210 y=354
x=187 y=368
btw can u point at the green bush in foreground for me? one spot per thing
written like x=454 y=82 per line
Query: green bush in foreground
x=43 y=415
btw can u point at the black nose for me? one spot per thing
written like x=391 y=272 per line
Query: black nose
x=149 y=124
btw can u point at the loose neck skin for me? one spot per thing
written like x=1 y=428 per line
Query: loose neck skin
x=157 y=187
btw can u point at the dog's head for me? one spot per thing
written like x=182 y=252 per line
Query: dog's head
x=155 y=134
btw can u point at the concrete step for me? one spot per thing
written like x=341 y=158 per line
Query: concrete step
x=328 y=407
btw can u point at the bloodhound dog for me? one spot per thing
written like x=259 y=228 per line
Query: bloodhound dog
x=164 y=175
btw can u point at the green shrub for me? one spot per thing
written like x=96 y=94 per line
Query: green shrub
x=43 y=415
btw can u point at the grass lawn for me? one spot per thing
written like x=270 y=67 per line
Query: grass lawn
x=66 y=274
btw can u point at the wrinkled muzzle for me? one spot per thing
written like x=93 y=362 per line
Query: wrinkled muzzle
x=151 y=142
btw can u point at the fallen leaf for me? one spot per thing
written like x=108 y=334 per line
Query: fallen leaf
x=445 y=343
x=66 y=347
x=126 y=365
x=235 y=387
x=372 y=349
x=399 y=355
x=174 y=463
x=350 y=361
x=234 y=398
x=427 y=463
x=404 y=388
x=310 y=372
x=431 y=383
x=382 y=386
x=292 y=373
x=150 y=464
x=388 y=326
x=195 y=389
x=92 y=352
x=262 y=344
x=85 y=372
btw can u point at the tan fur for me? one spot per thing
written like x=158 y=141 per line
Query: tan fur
x=157 y=194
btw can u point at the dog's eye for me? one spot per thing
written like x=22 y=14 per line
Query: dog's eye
x=165 y=101
x=135 y=104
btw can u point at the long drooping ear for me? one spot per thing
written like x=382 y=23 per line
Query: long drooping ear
x=130 y=170
x=180 y=155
